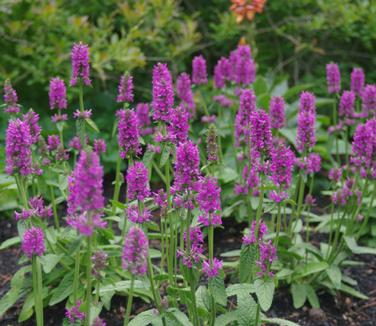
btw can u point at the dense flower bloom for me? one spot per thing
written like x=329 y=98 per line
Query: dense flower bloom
x=18 y=148
x=143 y=119
x=185 y=94
x=261 y=134
x=282 y=165
x=223 y=101
x=209 y=118
x=335 y=174
x=333 y=78
x=186 y=166
x=357 y=81
x=84 y=114
x=194 y=254
x=209 y=201
x=277 y=112
x=246 y=9
x=59 y=117
x=85 y=222
x=10 y=98
x=199 y=74
x=243 y=117
x=75 y=143
x=135 y=252
x=53 y=142
x=250 y=238
x=309 y=164
x=346 y=104
x=178 y=126
x=80 y=64
x=369 y=99
x=98 y=322
x=305 y=138
x=125 y=90
x=211 y=144
x=32 y=119
x=242 y=65
x=86 y=185
x=212 y=269
x=99 y=260
x=99 y=146
x=222 y=72
x=138 y=182
x=128 y=133
x=364 y=145
x=37 y=209
x=74 y=314
x=160 y=198
x=268 y=254
x=163 y=92
x=57 y=94
x=136 y=216
x=33 y=242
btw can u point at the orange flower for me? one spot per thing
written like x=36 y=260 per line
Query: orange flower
x=246 y=9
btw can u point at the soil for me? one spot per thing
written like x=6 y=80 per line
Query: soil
x=339 y=310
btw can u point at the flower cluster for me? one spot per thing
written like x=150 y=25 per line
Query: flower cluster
x=211 y=144
x=199 y=74
x=80 y=64
x=178 y=126
x=192 y=256
x=184 y=92
x=261 y=134
x=163 y=92
x=74 y=314
x=222 y=72
x=211 y=269
x=143 y=119
x=247 y=9
x=128 y=137
x=277 y=112
x=209 y=201
x=99 y=260
x=243 y=117
x=137 y=216
x=33 y=242
x=369 y=99
x=333 y=78
x=135 y=252
x=305 y=138
x=37 y=209
x=138 y=182
x=243 y=68
x=357 y=81
x=10 y=99
x=125 y=91
x=57 y=94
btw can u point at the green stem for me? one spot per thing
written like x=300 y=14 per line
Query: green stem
x=76 y=275
x=37 y=289
x=211 y=258
x=129 y=303
x=278 y=226
x=365 y=221
x=54 y=209
x=117 y=185
x=88 y=281
x=81 y=122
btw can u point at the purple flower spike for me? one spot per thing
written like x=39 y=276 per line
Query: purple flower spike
x=18 y=148
x=184 y=92
x=135 y=216
x=357 y=81
x=138 y=182
x=369 y=99
x=53 y=142
x=32 y=119
x=125 y=93
x=143 y=119
x=10 y=99
x=128 y=141
x=242 y=65
x=86 y=185
x=333 y=78
x=74 y=314
x=80 y=64
x=186 y=166
x=199 y=74
x=178 y=126
x=212 y=270
x=135 y=252
x=282 y=165
x=163 y=92
x=346 y=104
x=222 y=72
x=33 y=242
x=209 y=201
x=277 y=112
x=243 y=117
x=250 y=238
x=99 y=146
x=57 y=94
x=305 y=138
x=197 y=248
x=261 y=134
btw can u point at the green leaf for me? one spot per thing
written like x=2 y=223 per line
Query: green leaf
x=148 y=157
x=144 y=318
x=292 y=92
x=240 y=289
x=247 y=262
x=353 y=246
x=218 y=290
x=299 y=294
x=10 y=242
x=311 y=268
x=49 y=262
x=63 y=290
x=226 y=318
x=92 y=125
x=227 y=175
x=165 y=155
x=353 y=292
x=231 y=253
x=260 y=86
x=280 y=89
x=246 y=311
x=122 y=286
x=312 y=296
x=180 y=317
x=279 y=321
x=203 y=298
x=335 y=275
x=27 y=308
x=265 y=292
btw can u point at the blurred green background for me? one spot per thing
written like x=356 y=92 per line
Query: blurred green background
x=295 y=38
